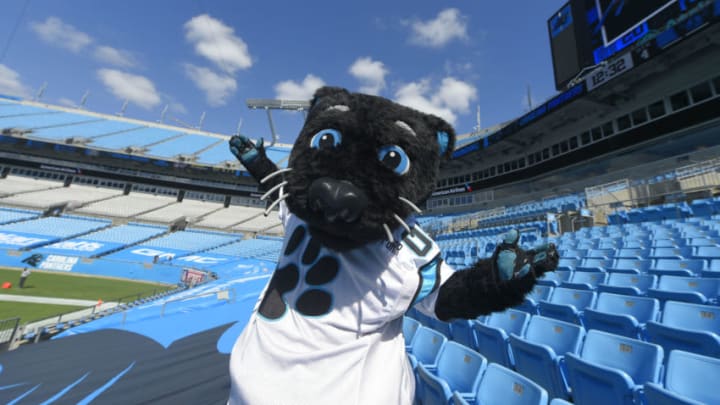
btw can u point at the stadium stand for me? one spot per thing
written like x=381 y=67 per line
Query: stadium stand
x=12 y=185
x=190 y=209
x=687 y=379
x=127 y=206
x=72 y=194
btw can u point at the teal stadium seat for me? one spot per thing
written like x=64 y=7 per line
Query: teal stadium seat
x=425 y=346
x=611 y=369
x=540 y=352
x=689 y=289
x=410 y=326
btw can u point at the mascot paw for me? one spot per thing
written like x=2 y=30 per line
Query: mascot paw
x=513 y=262
x=544 y=258
x=244 y=149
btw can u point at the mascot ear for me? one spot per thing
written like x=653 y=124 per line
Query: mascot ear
x=328 y=96
x=445 y=135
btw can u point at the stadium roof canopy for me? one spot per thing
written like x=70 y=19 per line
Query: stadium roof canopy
x=62 y=125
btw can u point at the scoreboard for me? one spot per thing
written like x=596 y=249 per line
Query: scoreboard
x=584 y=33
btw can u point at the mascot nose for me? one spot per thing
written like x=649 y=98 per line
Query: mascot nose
x=337 y=199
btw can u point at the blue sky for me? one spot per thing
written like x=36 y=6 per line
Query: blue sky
x=444 y=57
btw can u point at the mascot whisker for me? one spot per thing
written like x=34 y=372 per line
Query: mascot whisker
x=327 y=329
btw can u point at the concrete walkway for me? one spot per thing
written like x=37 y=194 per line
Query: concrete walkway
x=47 y=300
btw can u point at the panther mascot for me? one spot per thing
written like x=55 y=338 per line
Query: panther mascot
x=327 y=329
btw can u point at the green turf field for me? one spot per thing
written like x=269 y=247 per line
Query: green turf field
x=56 y=285
x=32 y=312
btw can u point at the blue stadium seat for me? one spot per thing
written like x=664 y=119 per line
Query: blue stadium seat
x=459 y=369
x=679 y=253
x=673 y=267
x=462 y=332
x=689 y=327
x=410 y=326
x=606 y=254
x=558 y=401
x=707 y=252
x=703 y=207
x=665 y=242
x=539 y=354
x=628 y=284
x=633 y=266
x=584 y=280
x=540 y=292
x=611 y=369
x=594 y=264
x=689 y=289
x=567 y=263
x=577 y=254
x=689 y=379
x=701 y=241
x=628 y=253
x=554 y=278
x=425 y=346
x=712 y=270
x=492 y=337
x=622 y=314
x=567 y=305
x=440 y=326
x=512 y=388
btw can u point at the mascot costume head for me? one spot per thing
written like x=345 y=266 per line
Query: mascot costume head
x=328 y=327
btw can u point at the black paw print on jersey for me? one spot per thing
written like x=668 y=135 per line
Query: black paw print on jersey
x=314 y=301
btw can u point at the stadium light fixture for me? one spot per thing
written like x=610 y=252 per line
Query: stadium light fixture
x=274 y=104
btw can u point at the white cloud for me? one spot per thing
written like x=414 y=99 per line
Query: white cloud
x=290 y=90
x=137 y=89
x=217 y=87
x=370 y=73
x=54 y=31
x=113 y=56
x=447 y=101
x=218 y=43
x=448 y=25
x=10 y=83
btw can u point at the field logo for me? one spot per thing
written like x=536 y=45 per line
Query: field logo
x=57 y=262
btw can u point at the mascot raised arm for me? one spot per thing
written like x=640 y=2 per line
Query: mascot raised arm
x=328 y=327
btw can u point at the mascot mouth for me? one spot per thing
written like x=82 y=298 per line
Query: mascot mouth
x=337 y=201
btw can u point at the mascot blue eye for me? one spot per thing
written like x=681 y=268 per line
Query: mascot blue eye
x=394 y=158
x=326 y=139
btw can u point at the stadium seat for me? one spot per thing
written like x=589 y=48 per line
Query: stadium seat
x=689 y=327
x=703 y=207
x=558 y=401
x=540 y=292
x=678 y=253
x=567 y=305
x=459 y=369
x=440 y=326
x=611 y=369
x=567 y=264
x=554 y=278
x=633 y=266
x=706 y=252
x=623 y=315
x=425 y=346
x=689 y=289
x=539 y=353
x=628 y=284
x=712 y=270
x=410 y=326
x=492 y=337
x=502 y=384
x=597 y=265
x=671 y=267
x=689 y=379
x=584 y=280
x=462 y=332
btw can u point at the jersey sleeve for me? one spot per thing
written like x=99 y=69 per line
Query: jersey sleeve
x=432 y=269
